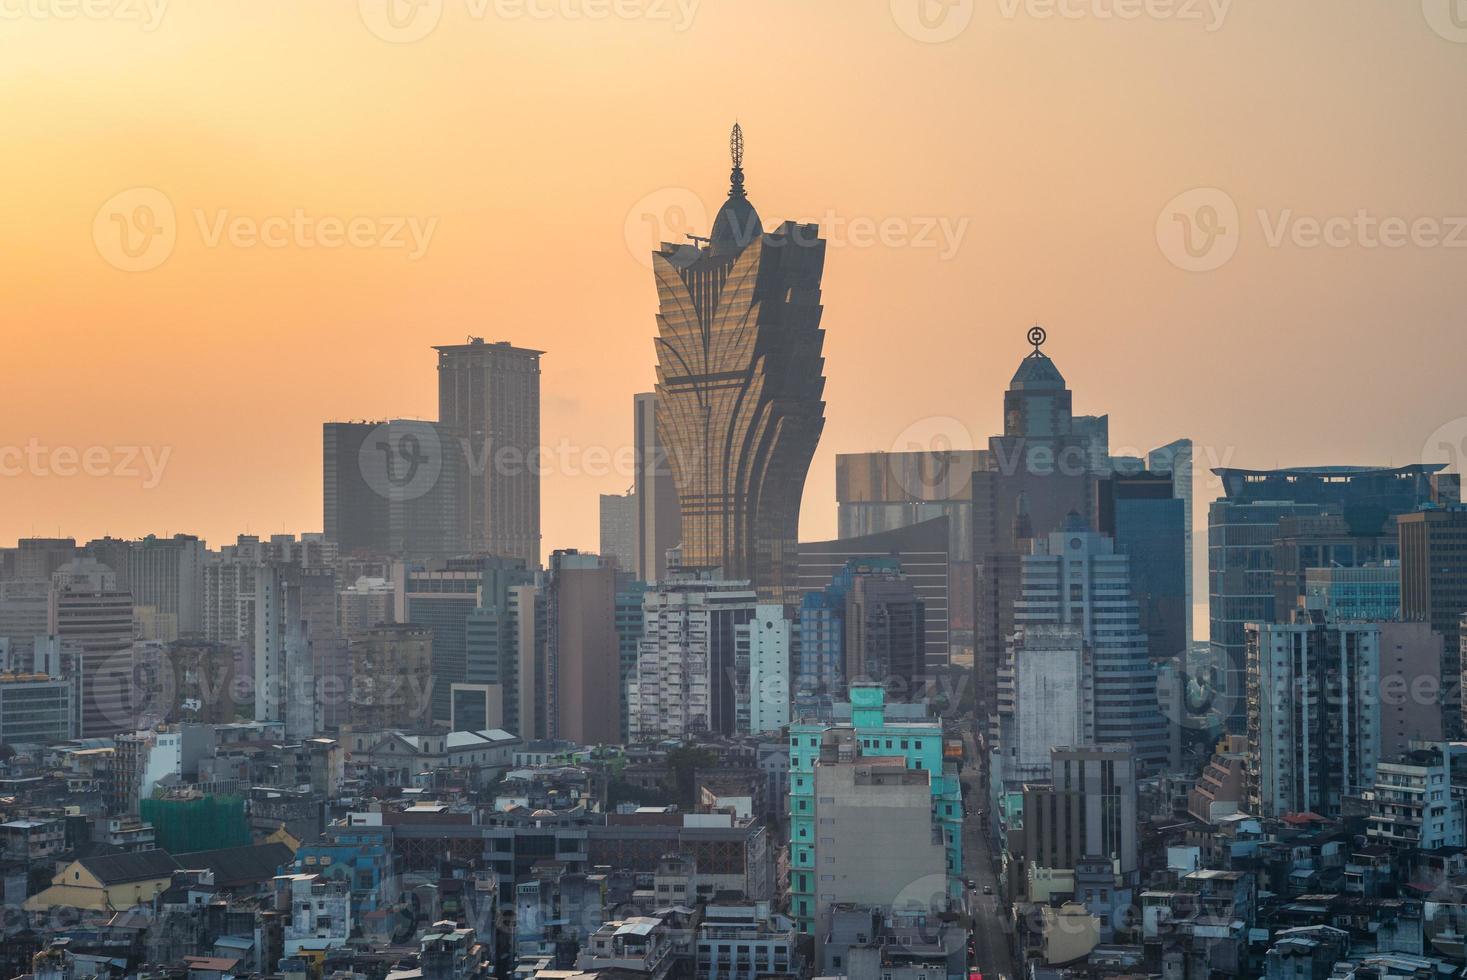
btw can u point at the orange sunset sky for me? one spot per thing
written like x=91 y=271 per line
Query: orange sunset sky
x=1019 y=170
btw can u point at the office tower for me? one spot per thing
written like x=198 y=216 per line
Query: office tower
x=167 y=575
x=922 y=550
x=762 y=666
x=1075 y=578
x=1313 y=714
x=492 y=640
x=1244 y=524
x=1370 y=591
x=659 y=519
x=1175 y=460
x=89 y=613
x=1433 y=547
x=884 y=633
x=392 y=677
x=629 y=630
x=882 y=498
x=619 y=529
x=1085 y=820
x=915 y=746
x=1025 y=484
x=35 y=709
x=875 y=844
x=489 y=407
x=1044 y=699
x=582 y=662
x=826 y=632
x=687 y=669
x=390 y=488
x=440 y=595
x=1142 y=513
x=1302 y=543
x=739 y=387
x=37 y=559
x=295 y=629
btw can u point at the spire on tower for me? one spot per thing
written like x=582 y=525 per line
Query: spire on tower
x=736 y=154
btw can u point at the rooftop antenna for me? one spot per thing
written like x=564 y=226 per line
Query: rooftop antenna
x=736 y=154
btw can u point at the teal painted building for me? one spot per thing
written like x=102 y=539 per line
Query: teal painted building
x=920 y=744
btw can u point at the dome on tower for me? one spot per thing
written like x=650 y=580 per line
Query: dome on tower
x=737 y=223
x=1037 y=373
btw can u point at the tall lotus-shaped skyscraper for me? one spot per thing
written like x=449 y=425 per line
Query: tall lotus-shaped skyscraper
x=740 y=379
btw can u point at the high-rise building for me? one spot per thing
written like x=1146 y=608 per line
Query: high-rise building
x=1141 y=511
x=37 y=559
x=1076 y=578
x=392 y=677
x=847 y=623
x=659 y=519
x=1245 y=523
x=1371 y=591
x=440 y=596
x=916 y=746
x=89 y=613
x=687 y=669
x=921 y=549
x=1025 y=484
x=629 y=630
x=582 y=659
x=167 y=575
x=229 y=600
x=884 y=633
x=619 y=529
x=890 y=502
x=365 y=603
x=739 y=388
x=391 y=488
x=1313 y=714
x=493 y=635
x=489 y=407
x=762 y=666
x=1044 y=699
x=1175 y=459
x=876 y=843
x=1087 y=812
x=1434 y=589
x=295 y=645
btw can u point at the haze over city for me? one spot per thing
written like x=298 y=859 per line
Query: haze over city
x=733 y=490
x=1020 y=166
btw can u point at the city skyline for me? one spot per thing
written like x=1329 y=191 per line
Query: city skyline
x=1051 y=234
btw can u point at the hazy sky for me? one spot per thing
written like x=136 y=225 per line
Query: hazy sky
x=323 y=189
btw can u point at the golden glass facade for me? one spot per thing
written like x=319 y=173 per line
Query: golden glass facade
x=740 y=379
